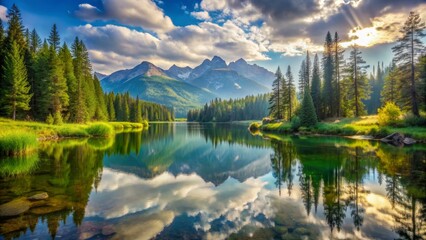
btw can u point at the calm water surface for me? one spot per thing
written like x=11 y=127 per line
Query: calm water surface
x=191 y=181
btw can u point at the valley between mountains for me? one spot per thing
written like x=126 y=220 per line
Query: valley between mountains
x=184 y=88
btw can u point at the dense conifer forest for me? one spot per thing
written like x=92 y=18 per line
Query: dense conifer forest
x=46 y=80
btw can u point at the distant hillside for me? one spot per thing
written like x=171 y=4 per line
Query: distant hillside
x=150 y=83
x=184 y=88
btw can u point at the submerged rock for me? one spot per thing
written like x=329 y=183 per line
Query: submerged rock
x=14 y=207
x=39 y=196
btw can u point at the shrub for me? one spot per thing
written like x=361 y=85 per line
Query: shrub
x=254 y=126
x=389 y=114
x=17 y=142
x=295 y=123
x=49 y=119
x=100 y=130
x=412 y=120
x=71 y=131
x=57 y=118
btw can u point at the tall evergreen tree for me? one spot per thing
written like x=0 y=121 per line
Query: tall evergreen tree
x=308 y=70
x=80 y=72
x=291 y=95
x=58 y=87
x=389 y=92
x=275 y=101
x=137 y=114
x=328 y=72
x=357 y=87
x=101 y=113
x=308 y=116
x=41 y=89
x=338 y=61
x=302 y=78
x=67 y=61
x=35 y=42
x=316 y=86
x=407 y=52
x=17 y=96
x=15 y=30
x=54 y=38
x=2 y=58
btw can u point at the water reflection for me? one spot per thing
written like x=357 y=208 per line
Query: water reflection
x=216 y=181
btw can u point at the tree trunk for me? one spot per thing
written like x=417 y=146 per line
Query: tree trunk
x=356 y=86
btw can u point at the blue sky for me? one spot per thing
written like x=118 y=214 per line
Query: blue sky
x=122 y=33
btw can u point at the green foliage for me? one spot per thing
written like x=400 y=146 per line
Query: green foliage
x=100 y=130
x=17 y=90
x=308 y=116
x=57 y=118
x=412 y=120
x=389 y=114
x=16 y=142
x=407 y=51
x=276 y=99
x=328 y=73
x=218 y=110
x=356 y=87
x=49 y=119
x=295 y=123
x=316 y=86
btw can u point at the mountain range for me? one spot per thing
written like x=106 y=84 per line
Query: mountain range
x=184 y=88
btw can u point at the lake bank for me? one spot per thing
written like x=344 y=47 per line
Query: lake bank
x=347 y=127
x=20 y=137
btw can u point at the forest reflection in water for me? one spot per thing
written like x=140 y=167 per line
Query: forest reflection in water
x=217 y=181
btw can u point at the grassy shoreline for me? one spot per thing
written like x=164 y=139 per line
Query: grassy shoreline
x=348 y=127
x=21 y=137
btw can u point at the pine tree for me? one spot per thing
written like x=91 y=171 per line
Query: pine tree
x=308 y=116
x=284 y=97
x=275 y=101
x=316 y=86
x=17 y=90
x=35 y=42
x=101 y=108
x=308 y=71
x=54 y=39
x=328 y=69
x=58 y=85
x=137 y=115
x=110 y=106
x=302 y=78
x=407 y=52
x=67 y=61
x=41 y=89
x=389 y=92
x=338 y=61
x=291 y=95
x=15 y=31
x=357 y=87
x=80 y=113
x=422 y=67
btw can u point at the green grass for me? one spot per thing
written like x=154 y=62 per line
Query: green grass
x=367 y=125
x=45 y=131
x=100 y=130
x=17 y=142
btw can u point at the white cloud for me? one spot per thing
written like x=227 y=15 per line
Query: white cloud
x=213 y=5
x=384 y=29
x=114 y=47
x=3 y=13
x=154 y=203
x=140 y=13
x=204 y=15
